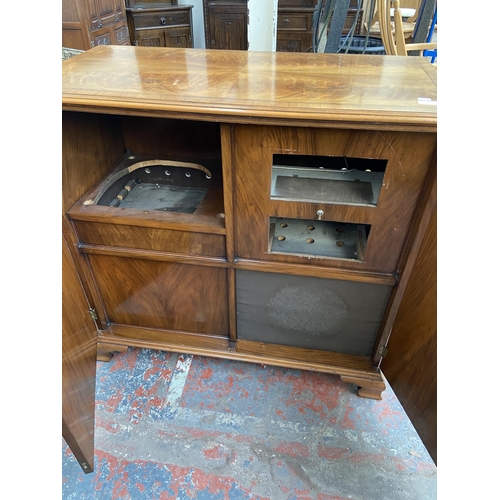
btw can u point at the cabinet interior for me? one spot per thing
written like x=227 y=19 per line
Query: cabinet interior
x=319 y=238
x=327 y=179
x=166 y=167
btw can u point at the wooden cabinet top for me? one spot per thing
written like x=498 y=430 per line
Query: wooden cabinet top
x=323 y=90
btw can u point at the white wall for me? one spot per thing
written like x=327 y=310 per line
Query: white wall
x=198 y=22
x=262 y=19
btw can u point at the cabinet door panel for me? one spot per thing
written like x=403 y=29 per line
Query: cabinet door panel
x=408 y=158
x=163 y=295
x=150 y=38
x=411 y=361
x=79 y=354
x=228 y=28
x=178 y=38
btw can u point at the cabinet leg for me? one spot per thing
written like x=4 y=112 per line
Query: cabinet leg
x=372 y=389
x=106 y=351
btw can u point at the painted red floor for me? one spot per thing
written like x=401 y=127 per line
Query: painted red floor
x=172 y=426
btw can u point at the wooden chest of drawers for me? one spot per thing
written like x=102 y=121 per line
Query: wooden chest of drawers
x=160 y=25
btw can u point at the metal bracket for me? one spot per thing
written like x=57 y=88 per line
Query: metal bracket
x=93 y=313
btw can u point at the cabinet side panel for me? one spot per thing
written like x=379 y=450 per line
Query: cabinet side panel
x=79 y=354
x=91 y=145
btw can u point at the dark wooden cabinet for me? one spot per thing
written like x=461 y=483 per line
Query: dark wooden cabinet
x=88 y=23
x=274 y=216
x=226 y=24
x=156 y=24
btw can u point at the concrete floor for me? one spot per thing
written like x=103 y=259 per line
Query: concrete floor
x=172 y=426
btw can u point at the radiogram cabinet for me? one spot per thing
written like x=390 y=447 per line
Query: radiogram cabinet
x=264 y=207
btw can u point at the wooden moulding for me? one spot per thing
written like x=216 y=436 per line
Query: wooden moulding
x=105 y=351
x=352 y=369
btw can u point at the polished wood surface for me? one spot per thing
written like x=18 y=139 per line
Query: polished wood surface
x=166 y=240
x=411 y=361
x=83 y=166
x=408 y=163
x=79 y=352
x=165 y=295
x=168 y=280
x=317 y=89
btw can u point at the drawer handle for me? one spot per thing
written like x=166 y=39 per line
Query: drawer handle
x=163 y=21
x=286 y=21
x=320 y=214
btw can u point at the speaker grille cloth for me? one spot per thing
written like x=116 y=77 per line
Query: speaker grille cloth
x=314 y=313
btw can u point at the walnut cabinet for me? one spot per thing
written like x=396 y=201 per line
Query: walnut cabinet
x=274 y=216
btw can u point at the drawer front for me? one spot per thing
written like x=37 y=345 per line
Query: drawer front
x=293 y=21
x=160 y=19
x=149 y=238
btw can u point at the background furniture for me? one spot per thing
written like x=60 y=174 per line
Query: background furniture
x=87 y=23
x=392 y=32
x=226 y=24
x=160 y=24
x=300 y=220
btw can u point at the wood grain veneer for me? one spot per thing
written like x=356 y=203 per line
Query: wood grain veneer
x=411 y=360
x=166 y=240
x=167 y=280
x=408 y=162
x=79 y=351
x=331 y=90
x=165 y=295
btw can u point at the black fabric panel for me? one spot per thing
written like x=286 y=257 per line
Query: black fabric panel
x=314 y=313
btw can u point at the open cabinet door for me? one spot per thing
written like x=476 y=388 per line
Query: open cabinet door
x=79 y=352
x=410 y=365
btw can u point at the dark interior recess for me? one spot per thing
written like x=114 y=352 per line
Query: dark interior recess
x=327 y=179
x=158 y=187
x=330 y=162
x=318 y=238
x=192 y=188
